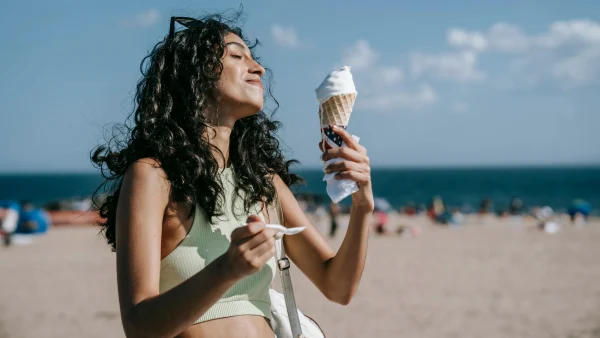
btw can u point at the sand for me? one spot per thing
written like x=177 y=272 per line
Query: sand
x=501 y=279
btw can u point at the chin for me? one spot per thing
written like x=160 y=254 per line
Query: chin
x=253 y=108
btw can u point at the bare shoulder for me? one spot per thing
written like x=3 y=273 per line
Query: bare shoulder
x=148 y=173
x=280 y=183
x=145 y=186
x=277 y=180
x=148 y=168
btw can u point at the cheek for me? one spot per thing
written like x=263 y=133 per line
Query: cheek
x=227 y=85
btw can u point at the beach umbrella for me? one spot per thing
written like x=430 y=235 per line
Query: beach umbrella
x=382 y=204
x=580 y=206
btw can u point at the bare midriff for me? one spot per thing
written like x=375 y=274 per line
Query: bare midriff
x=238 y=326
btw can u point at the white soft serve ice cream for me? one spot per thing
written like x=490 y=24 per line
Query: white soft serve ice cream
x=336 y=83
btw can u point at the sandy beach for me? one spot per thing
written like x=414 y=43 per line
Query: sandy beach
x=494 y=278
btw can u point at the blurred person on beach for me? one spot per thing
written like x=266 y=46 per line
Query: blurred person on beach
x=485 y=211
x=200 y=160
x=485 y=207
x=409 y=209
x=437 y=211
x=515 y=208
x=381 y=220
x=333 y=211
x=10 y=219
x=380 y=215
x=457 y=217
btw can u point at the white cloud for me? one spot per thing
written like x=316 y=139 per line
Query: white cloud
x=143 y=19
x=360 y=56
x=459 y=66
x=398 y=99
x=381 y=87
x=507 y=38
x=567 y=54
x=563 y=33
x=579 y=70
x=469 y=40
x=501 y=37
x=285 y=36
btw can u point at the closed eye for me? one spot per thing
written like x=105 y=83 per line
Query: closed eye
x=236 y=56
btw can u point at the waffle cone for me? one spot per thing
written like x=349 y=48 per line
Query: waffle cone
x=337 y=110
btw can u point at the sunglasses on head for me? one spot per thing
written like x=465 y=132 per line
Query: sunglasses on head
x=184 y=21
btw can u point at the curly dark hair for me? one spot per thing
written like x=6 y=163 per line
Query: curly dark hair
x=177 y=86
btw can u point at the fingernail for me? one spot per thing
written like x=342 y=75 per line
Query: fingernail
x=336 y=127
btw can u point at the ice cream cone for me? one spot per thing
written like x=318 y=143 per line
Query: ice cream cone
x=337 y=110
x=336 y=95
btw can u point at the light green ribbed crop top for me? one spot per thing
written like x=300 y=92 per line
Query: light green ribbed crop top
x=204 y=243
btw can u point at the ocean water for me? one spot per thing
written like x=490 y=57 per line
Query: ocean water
x=465 y=188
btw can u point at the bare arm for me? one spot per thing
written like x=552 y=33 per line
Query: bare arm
x=344 y=271
x=336 y=275
x=143 y=198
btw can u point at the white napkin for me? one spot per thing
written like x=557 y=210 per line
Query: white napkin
x=339 y=189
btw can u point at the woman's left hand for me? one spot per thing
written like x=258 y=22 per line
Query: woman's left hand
x=355 y=166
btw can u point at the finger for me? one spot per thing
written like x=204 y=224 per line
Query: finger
x=265 y=248
x=362 y=150
x=256 y=240
x=346 y=137
x=255 y=224
x=321 y=146
x=253 y=218
x=258 y=257
x=244 y=233
x=357 y=177
x=347 y=166
x=346 y=153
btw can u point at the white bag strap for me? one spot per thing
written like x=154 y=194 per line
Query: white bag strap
x=283 y=264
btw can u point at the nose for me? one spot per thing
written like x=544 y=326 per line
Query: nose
x=256 y=68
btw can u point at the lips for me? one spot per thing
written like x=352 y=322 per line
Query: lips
x=255 y=83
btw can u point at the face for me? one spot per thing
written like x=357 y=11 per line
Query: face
x=240 y=86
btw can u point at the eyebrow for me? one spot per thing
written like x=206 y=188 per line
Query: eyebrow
x=237 y=44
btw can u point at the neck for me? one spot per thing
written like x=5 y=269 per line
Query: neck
x=219 y=135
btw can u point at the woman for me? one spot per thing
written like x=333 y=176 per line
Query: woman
x=201 y=160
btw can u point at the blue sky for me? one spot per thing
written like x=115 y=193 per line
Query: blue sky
x=441 y=83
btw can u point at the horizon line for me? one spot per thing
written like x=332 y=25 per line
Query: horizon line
x=382 y=167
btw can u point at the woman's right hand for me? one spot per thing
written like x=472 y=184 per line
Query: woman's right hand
x=251 y=247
